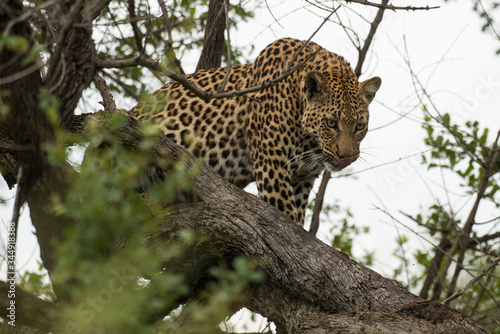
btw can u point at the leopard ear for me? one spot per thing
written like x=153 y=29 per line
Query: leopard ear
x=314 y=85
x=368 y=88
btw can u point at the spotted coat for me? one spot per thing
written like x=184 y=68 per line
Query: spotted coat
x=283 y=136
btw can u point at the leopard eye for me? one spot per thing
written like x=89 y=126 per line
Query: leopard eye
x=360 y=126
x=331 y=123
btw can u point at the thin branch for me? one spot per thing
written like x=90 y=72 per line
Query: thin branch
x=318 y=205
x=123 y=85
x=467 y=228
x=439 y=119
x=270 y=12
x=368 y=41
x=383 y=164
x=93 y=8
x=362 y=55
x=133 y=22
x=390 y=7
x=37 y=64
x=28 y=14
x=488 y=19
x=473 y=281
x=170 y=41
x=205 y=95
x=479 y=240
x=310 y=37
x=431 y=228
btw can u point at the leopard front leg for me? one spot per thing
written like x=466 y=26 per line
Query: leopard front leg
x=301 y=191
x=275 y=187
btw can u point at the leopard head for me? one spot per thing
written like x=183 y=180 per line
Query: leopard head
x=336 y=114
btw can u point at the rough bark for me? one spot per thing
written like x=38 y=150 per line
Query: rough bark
x=21 y=84
x=71 y=68
x=310 y=287
x=213 y=42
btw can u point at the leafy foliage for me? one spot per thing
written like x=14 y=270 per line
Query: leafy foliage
x=466 y=152
x=462 y=244
x=113 y=278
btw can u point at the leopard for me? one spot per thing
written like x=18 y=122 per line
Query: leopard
x=309 y=114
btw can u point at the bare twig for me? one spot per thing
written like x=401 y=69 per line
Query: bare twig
x=28 y=14
x=125 y=87
x=473 y=281
x=133 y=22
x=37 y=64
x=205 y=95
x=270 y=12
x=368 y=41
x=418 y=84
x=310 y=37
x=431 y=228
x=170 y=41
x=390 y=7
x=488 y=19
x=318 y=205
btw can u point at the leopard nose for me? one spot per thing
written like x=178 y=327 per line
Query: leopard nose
x=343 y=162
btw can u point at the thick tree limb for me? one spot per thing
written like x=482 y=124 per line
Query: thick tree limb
x=71 y=69
x=74 y=56
x=316 y=276
x=22 y=97
x=310 y=287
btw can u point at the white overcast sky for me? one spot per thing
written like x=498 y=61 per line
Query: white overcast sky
x=453 y=59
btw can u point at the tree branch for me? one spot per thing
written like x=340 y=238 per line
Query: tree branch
x=368 y=41
x=473 y=281
x=318 y=204
x=74 y=55
x=205 y=95
x=324 y=284
x=390 y=7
